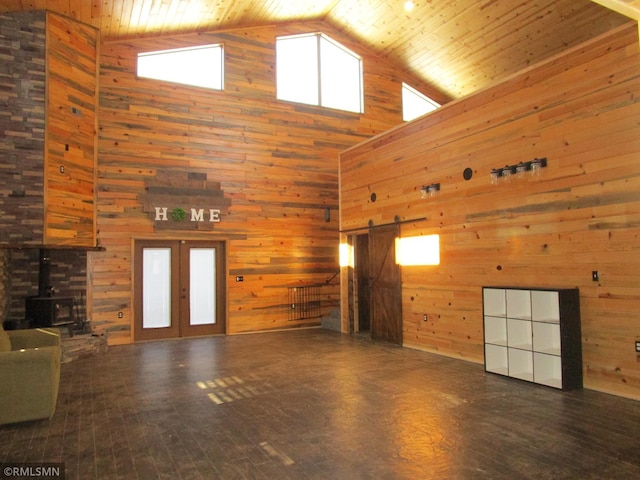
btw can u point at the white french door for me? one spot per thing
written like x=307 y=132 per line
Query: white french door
x=179 y=289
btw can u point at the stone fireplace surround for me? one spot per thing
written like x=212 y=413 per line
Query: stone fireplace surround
x=19 y=279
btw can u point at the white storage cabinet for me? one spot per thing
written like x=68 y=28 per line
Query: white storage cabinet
x=534 y=335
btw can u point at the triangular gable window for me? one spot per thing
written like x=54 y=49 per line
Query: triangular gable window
x=197 y=66
x=415 y=104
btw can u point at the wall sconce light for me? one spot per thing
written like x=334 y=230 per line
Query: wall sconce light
x=494 y=176
x=505 y=173
x=429 y=190
x=346 y=255
x=420 y=250
x=536 y=164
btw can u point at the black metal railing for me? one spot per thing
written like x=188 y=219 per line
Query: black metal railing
x=304 y=302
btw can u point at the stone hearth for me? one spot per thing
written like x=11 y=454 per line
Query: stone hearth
x=83 y=346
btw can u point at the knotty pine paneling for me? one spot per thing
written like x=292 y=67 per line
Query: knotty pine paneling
x=582 y=213
x=456 y=48
x=49 y=122
x=71 y=140
x=276 y=163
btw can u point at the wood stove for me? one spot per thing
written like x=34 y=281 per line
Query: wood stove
x=49 y=311
x=46 y=309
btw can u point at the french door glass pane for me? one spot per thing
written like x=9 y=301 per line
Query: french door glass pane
x=202 y=286
x=156 y=288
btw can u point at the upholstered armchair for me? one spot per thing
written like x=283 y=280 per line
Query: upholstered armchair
x=29 y=374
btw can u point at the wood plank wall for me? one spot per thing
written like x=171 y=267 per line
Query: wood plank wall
x=49 y=100
x=71 y=137
x=276 y=162
x=582 y=214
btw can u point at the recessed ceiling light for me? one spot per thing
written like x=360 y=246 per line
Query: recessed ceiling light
x=408 y=5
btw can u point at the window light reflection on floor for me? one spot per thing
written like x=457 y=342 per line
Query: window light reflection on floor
x=230 y=389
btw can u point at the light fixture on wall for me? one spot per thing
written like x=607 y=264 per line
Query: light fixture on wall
x=429 y=190
x=506 y=172
x=494 y=176
x=536 y=164
x=518 y=170
x=346 y=255
x=420 y=250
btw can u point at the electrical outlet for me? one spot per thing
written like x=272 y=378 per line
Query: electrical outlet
x=425 y=317
x=638 y=346
x=120 y=315
x=595 y=276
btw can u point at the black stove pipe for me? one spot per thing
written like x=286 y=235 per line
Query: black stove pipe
x=44 y=273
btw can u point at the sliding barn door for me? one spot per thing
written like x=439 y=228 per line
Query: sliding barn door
x=385 y=285
x=179 y=289
x=363 y=280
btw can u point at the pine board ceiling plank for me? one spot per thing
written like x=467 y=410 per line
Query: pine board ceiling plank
x=135 y=15
x=630 y=8
x=457 y=47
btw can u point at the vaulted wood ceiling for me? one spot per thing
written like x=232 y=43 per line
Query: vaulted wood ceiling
x=456 y=46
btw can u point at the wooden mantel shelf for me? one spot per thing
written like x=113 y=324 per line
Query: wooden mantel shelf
x=22 y=246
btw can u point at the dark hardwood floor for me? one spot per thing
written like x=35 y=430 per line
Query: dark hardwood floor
x=316 y=404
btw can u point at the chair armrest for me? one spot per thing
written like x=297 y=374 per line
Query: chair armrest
x=28 y=367
x=32 y=356
x=29 y=382
x=34 y=338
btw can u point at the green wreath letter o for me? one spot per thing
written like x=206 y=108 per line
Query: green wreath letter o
x=178 y=214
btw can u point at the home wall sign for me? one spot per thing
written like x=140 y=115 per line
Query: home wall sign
x=179 y=214
x=184 y=200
